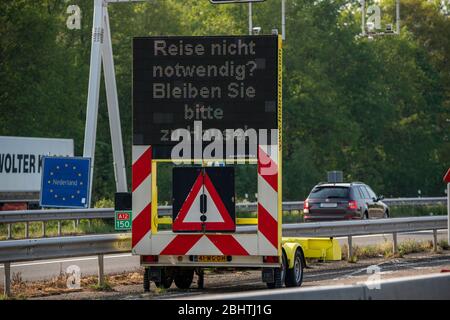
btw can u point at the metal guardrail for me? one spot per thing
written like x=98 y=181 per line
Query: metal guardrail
x=358 y=227
x=364 y=227
x=415 y=201
x=298 y=205
x=108 y=213
x=26 y=216
x=53 y=215
x=62 y=247
x=73 y=246
x=350 y=229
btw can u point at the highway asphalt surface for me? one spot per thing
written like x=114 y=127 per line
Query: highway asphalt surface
x=317 y=274
x=47 y=269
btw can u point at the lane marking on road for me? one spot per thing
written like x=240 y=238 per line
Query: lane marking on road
x=396 y=265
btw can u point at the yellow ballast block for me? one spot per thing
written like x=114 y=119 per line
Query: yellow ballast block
x=164 y=220
x=246 y=220
x=318 y=248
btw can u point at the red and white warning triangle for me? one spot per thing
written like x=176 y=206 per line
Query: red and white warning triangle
x=217 y=216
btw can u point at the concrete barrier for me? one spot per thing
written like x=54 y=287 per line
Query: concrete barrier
x=428 y=287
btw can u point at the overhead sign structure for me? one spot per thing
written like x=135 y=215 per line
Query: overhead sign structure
x=201 y=204
x=21 y=161
x=65 y=182
x=201 y=83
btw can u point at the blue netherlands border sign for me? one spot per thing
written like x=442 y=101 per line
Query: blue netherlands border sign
x=65 y=182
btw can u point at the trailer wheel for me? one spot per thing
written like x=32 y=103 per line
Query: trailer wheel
x=166 y=279
x=294 y=276
x=146 y=282
x=201 y=278
x=279 y=274
x=183 y=278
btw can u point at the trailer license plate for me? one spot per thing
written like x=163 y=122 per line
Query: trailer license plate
x=212 y=259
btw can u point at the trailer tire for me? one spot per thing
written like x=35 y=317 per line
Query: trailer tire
x=279 y=274
x=294 y=276
x=166 y=279
x=183 y=278
x=146 y=282
x=201 y=278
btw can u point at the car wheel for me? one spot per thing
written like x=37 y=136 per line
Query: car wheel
x=294 y=276
x=279 y=275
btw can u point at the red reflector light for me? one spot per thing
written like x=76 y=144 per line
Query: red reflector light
x=306 y=206
x=352 y=205
x=149 y=259
x=271 y=259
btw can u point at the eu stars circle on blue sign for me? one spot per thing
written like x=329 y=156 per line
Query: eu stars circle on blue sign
x=65 y=182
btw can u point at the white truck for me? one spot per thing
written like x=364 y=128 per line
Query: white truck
x=20 y=168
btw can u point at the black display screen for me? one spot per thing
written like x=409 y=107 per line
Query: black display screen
x=225 y=83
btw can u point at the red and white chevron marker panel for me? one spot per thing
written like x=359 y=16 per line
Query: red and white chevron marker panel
x=204 y=244
x=268 y=238
x=265 y=242
x=142 y=197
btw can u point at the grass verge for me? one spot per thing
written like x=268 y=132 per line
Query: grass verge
x=59 y=285
x=68 y=228
x=385 y=249
x=102 y=287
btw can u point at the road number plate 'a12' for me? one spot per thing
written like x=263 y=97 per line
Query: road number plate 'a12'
x=122 y=220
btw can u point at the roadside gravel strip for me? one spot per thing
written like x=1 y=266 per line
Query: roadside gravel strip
x=317 y=274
